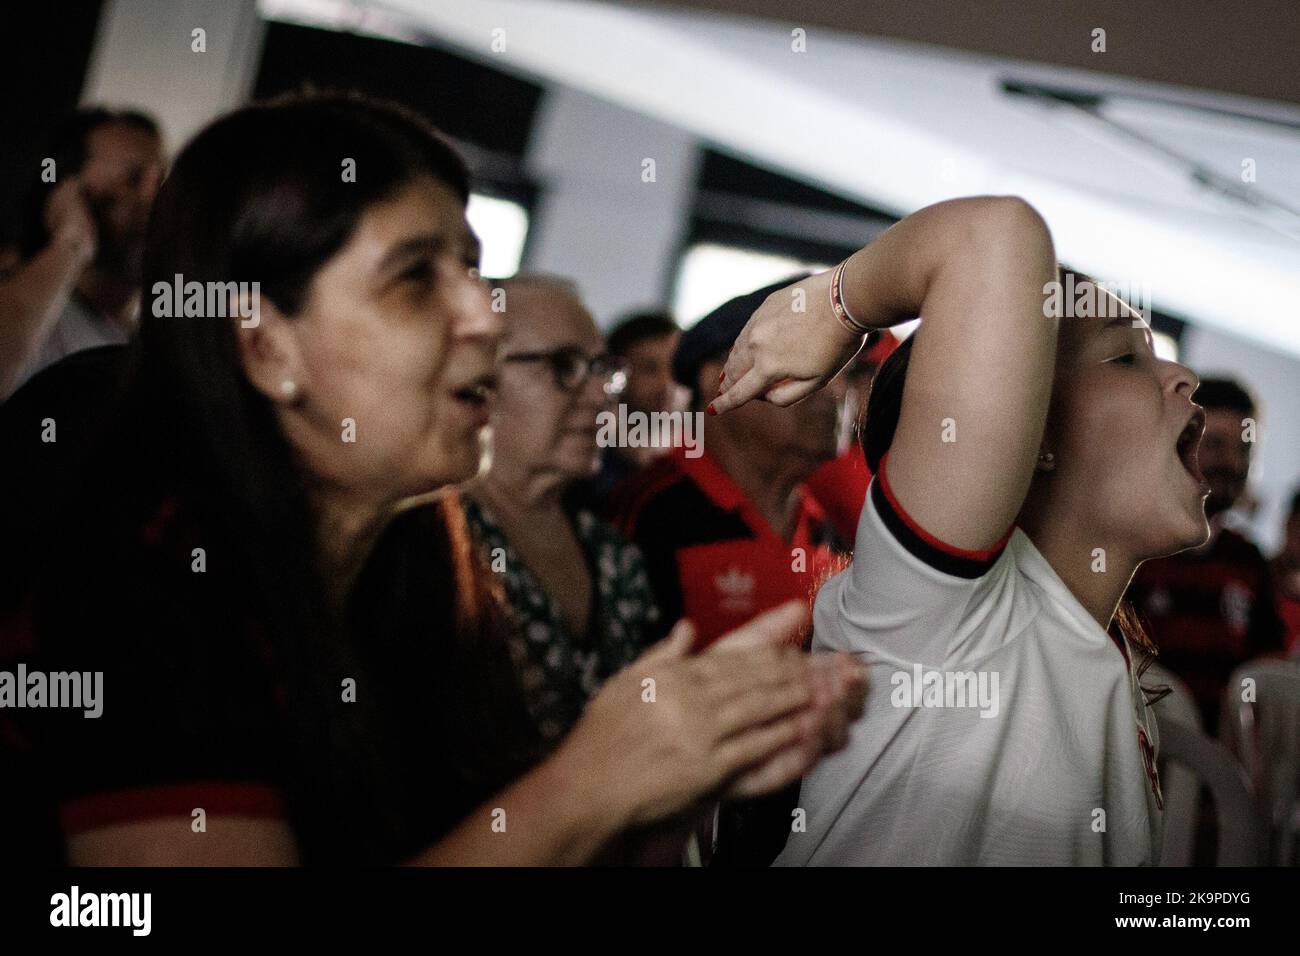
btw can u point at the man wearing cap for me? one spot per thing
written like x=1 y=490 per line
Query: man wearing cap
x=732 y=531
x=840 y=486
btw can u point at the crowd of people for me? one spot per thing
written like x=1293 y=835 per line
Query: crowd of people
x=364 y=584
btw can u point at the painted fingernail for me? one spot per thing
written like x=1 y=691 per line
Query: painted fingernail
x=710 y=410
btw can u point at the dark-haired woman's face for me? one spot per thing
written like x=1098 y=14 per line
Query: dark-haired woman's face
x=1123 y=433
x=397 y=344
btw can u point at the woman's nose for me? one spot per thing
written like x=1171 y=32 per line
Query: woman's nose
x=475 y=315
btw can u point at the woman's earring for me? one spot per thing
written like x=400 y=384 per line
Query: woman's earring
x=1047 y=461
x=289 y=389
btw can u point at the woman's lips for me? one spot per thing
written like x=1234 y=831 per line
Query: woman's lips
x=478 y=391
x=475 y=398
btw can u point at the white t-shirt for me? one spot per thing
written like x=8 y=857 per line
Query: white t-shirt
x=1041 y=749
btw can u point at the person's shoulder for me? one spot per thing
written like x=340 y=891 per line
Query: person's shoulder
x=599 y=529
x=1239 y=549
x=820 y=523
x=889 y=520
x=605 y=535
x=144 y=567
x=618 y=560
x=643 y=492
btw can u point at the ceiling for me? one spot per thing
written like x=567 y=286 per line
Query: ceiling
x=899 y=125
x=1245 y=48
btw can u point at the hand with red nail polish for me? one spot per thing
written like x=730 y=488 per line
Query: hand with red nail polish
x=786 y=351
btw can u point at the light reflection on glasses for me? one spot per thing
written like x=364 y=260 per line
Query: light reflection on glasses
x=571 y=368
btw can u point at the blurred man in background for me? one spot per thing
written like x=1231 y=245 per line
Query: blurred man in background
x=840 y=485
x=72 y=280
x=1286 y=576
x=1212 y=608
x=732 y=532
x=645 y=341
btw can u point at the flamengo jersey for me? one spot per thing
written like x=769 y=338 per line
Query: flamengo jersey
x=710 y=553
x=1003 y=726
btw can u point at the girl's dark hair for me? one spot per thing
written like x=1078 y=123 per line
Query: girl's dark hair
x=260 y=195
x=876 y=428
x=879 y=420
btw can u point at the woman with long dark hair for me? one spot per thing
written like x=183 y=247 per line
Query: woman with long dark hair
x=288 y=673
x=1025 y=463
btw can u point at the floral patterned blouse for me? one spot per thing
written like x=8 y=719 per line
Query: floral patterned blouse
x=560 y=671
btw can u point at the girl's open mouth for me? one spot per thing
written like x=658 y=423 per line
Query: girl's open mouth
x=1189 y=444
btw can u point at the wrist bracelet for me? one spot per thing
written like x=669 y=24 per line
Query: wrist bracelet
x=837 y=303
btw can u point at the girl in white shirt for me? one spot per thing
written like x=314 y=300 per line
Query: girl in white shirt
x=1025 y=465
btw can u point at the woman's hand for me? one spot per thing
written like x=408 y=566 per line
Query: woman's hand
x=749 y=716
x=792 y=346
x=840 y=686
x=665 y=735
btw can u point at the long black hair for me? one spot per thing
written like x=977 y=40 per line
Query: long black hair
x=259 y=195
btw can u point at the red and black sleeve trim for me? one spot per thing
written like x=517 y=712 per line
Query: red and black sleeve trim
x=939 y=555
x=146 y=803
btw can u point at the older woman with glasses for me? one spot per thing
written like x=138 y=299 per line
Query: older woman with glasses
x=577 y=592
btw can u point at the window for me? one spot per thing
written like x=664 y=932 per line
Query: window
x=502 y=228
x=1166 y=345
x=711 y=273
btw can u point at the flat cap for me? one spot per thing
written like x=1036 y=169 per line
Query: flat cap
x=714 y=334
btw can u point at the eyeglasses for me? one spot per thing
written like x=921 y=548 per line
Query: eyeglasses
x=572 y=368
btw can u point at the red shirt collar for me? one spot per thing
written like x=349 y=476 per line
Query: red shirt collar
x=719 y=488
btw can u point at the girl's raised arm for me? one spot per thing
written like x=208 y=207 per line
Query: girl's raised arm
x=980 y=376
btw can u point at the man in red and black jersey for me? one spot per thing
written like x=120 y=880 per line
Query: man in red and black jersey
x=840 y=485
x=1286 y=576
x=727 y=527
x=728 y=530
x=1212 y=608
